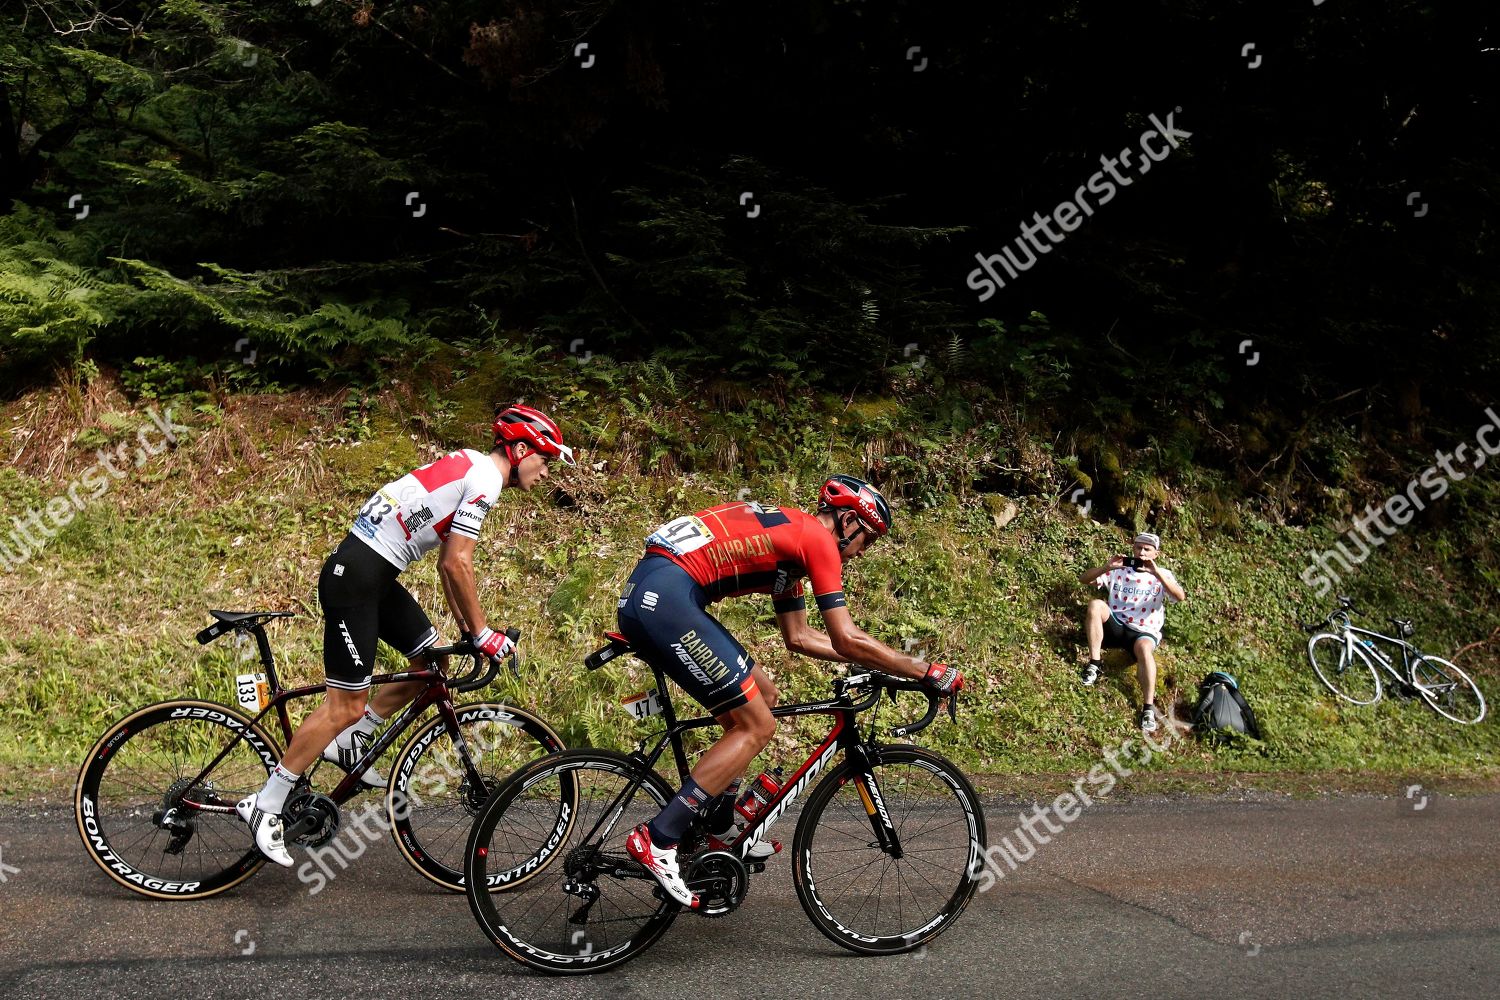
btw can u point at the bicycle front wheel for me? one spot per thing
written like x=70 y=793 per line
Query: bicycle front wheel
x=432 y=800
x=864 y=897
x=148 y=823
x=1448 y=690
x=1343 y=669
x=580 y=904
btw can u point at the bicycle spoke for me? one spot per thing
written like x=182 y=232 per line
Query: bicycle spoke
x=1343 y=669
x=442 y=797
x=869 y=900
x=521 y=828
x=1447 y=689
x=152 y=756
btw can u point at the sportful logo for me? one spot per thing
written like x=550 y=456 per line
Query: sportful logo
x=649 y=599
x=349 y=642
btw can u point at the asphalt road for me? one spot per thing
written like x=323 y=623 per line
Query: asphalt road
x=1149 y=897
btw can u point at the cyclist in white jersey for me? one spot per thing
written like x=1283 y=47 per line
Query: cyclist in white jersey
x=440 y=505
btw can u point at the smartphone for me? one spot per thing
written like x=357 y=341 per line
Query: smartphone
x=1131 y=562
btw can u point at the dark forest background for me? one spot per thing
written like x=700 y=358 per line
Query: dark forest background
x=248 y=172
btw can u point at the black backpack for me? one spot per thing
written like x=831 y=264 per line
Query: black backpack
x=1221 y=707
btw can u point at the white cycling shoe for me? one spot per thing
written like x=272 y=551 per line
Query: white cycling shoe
x=267 y=830
x=346 y=759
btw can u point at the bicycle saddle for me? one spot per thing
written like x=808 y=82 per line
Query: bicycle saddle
x=227 y=620
x=618 y=645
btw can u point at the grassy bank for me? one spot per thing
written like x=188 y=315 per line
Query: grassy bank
x=242 y=512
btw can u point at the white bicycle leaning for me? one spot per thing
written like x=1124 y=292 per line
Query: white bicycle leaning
x=1348 y=662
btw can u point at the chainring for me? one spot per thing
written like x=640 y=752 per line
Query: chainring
x=721 y=882
x=304 y=801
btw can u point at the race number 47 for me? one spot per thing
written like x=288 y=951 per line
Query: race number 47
x=681 y=535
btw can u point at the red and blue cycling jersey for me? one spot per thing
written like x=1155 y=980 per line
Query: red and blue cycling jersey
x=750 y=548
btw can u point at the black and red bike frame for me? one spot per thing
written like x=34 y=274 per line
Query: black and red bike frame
x=844 y=738
x=438 y=691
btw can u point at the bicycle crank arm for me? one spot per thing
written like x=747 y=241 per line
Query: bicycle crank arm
x=307 y=824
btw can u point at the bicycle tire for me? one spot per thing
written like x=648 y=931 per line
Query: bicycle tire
x=430 y=813
x=827 y=850
x=1447 y=690
x=531 y=923
x=1338 y=674
x=130 y=778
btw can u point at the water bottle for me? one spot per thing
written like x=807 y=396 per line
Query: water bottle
x=759 y=795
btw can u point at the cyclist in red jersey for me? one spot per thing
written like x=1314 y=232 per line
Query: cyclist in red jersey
x=745 y=548
x=440 y=505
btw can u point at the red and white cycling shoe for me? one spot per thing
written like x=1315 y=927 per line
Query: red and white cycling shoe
x=662 y=864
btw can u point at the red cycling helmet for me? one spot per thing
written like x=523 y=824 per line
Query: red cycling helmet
x=846 y=492
x=525 y=423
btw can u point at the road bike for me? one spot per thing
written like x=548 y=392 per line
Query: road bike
x=1349 y=664
x=883 y=853
x=155 y=797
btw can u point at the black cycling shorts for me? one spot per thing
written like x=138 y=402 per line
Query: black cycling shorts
x=1118 y=635
x=363 y=602
x=662 y=613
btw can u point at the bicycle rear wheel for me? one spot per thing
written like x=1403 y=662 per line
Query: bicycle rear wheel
x=856 y=893
x=431 y=803
x=145 y=820
x=1446 y=689
x=1343 y=669
x=580 y=904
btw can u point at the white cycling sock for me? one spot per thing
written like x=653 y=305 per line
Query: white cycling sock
x=278 y=786
x=367 y=724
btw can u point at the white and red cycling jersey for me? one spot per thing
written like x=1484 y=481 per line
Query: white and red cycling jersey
x=409 y=517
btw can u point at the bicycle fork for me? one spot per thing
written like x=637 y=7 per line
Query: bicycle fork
x=860 y=758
